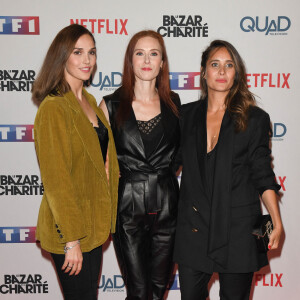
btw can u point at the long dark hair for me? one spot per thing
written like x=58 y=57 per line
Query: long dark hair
x=50 y=79
x=128 y=81
x=239 y=99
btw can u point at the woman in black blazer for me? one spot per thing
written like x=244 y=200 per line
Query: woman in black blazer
x=226 y=169
x=143 y=114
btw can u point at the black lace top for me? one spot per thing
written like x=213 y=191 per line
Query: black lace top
x=151 y=132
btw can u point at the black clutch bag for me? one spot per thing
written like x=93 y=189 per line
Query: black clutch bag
x=261 y=231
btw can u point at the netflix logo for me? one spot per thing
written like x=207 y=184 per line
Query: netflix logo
x=263 y=80
x=272 y=279
x=103 y=26
x=281 y=180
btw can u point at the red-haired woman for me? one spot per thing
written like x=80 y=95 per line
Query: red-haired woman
x=143 y=114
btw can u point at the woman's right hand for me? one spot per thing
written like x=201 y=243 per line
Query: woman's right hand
x=73 y=259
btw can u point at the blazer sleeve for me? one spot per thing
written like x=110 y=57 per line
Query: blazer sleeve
x=261 y=171
x=52 y=140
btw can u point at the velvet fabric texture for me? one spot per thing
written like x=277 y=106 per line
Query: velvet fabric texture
x=78 y=202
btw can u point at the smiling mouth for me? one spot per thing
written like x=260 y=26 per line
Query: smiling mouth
x=86 y=70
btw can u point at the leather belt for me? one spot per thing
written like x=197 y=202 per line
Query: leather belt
x=153 y=191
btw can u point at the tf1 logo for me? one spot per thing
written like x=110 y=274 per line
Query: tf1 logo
x=16 y=133
x=19 y=25
x=184 y=80
x=17 y=234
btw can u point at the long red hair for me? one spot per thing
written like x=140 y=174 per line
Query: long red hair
x=128 y=81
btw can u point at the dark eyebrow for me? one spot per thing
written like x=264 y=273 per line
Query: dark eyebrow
x=94 y=48
x=228 y=60
x=150 y=50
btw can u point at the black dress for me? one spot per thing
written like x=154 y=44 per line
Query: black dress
x=148 y=195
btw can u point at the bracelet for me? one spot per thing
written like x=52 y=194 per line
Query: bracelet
x=66 y=249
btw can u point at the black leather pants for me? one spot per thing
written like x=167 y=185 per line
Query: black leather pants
x=144 y=247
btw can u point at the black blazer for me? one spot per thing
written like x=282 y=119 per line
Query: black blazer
x=214 y=232
x=149 y=179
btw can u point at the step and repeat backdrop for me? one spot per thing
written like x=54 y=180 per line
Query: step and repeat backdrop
x=266 y=33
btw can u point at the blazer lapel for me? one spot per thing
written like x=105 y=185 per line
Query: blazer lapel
x=221 y=199
x=130 y=128
x=86 y=132
x=201 y=139
x=168 y=120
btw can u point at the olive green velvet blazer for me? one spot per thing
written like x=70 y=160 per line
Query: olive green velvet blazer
x=78 y=202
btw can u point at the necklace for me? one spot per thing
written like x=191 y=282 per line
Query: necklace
x=215 y=129
x=213 y=142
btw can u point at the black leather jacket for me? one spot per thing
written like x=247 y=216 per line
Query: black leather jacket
x=150 y=179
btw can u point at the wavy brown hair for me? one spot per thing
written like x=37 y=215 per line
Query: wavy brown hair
x=126 y=92
x=239 y=99
x=51 y=79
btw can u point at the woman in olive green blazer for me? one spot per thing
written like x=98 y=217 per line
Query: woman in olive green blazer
x=78 y=209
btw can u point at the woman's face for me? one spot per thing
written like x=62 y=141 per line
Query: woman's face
x=147 y=59
x=82 y=60
x=220 y=71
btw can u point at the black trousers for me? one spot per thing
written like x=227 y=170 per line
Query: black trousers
x=233 y=286
x=144 y=248
x=83 y=286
